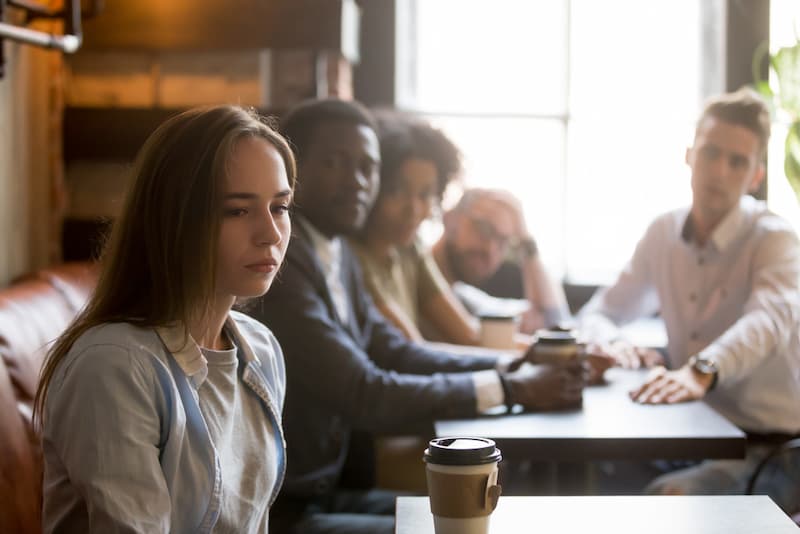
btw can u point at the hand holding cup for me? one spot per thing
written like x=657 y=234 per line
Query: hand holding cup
x=547 y=387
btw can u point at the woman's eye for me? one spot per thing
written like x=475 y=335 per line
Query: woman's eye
x=281 y=208
x=236 y=212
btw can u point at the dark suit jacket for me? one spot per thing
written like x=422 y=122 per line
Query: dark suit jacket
x=363 y=375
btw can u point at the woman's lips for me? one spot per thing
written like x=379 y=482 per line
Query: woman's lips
x=266 y=266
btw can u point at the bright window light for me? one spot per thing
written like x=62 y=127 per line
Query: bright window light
x=583 y=109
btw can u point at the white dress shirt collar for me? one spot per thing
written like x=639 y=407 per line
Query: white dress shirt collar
x=729 y=228
x=329 y=250
x=329 y=253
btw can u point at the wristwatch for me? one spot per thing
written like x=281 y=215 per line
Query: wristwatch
x=705 y=366
x=527 y=248
x=507 y=399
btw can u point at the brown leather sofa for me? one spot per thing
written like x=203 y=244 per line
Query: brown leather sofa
x=34 y=311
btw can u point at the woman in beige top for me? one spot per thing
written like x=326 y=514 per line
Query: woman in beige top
x=417 y=163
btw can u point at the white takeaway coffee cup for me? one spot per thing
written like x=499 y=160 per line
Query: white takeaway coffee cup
x=497 y=331
x=462 y=483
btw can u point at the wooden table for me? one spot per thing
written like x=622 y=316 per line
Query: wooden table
x=609 y=427
x=737 y=514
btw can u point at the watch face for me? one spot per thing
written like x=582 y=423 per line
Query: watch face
x=707 y=367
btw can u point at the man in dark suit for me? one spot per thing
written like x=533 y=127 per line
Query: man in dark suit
x=347 y=368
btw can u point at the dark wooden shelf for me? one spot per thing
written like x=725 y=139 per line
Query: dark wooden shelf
x=197 y=25
x=112 y=134
x=109 y=133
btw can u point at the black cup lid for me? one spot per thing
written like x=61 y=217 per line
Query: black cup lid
x=461 y=451
x=556 y=336
x=497 y=317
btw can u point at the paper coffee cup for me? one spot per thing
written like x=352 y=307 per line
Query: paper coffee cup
x=462 y=483
x=497 y=331
x=556 y=346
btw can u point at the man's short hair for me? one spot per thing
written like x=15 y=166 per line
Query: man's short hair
x=300 y=122
x=743 y=108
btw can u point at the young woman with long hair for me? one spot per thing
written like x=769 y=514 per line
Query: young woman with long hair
x=160 y=407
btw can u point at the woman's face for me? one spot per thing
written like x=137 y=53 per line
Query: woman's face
x=255 y=227
x=402 y=208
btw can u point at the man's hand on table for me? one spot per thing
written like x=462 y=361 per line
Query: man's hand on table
x=670 y=387
x=632 y=357
x=602 y=356
x=622 y=354
x=547 y=387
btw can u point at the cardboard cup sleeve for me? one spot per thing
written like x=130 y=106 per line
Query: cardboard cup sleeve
x=462 y=496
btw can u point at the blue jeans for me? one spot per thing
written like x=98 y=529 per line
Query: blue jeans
x=780 y=480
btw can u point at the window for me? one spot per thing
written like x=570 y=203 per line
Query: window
x=583 y=109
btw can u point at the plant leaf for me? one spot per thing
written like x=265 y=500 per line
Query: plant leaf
x=786 y=65
x=791 y=162
x=762 y=86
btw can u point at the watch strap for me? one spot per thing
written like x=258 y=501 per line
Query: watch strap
x=705 y=366
x=527 y=248
x=506 y=392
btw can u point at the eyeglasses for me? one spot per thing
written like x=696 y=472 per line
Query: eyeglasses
x=487 y=231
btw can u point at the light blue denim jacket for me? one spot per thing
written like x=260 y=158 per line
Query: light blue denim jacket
x=126 y=448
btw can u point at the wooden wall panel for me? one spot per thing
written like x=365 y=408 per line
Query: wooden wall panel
x=31 y=169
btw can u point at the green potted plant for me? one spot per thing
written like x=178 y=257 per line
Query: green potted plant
x=784 y=96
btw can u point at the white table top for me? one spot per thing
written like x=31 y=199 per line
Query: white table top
x=751 y=514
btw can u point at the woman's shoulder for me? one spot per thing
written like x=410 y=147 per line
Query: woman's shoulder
x=117 y=337
x=112 y=353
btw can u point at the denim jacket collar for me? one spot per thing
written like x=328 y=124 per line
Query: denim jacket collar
x=188 y=355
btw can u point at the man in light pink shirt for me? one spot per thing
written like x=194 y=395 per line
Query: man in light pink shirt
x=723 y=274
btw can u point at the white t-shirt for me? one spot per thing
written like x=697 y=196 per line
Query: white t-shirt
x=241 y=432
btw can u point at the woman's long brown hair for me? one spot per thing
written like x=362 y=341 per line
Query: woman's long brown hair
x=159 y=265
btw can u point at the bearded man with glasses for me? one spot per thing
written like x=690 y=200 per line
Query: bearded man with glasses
x=486 y=244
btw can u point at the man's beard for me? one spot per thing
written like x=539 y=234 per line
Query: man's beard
x=454 y=260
